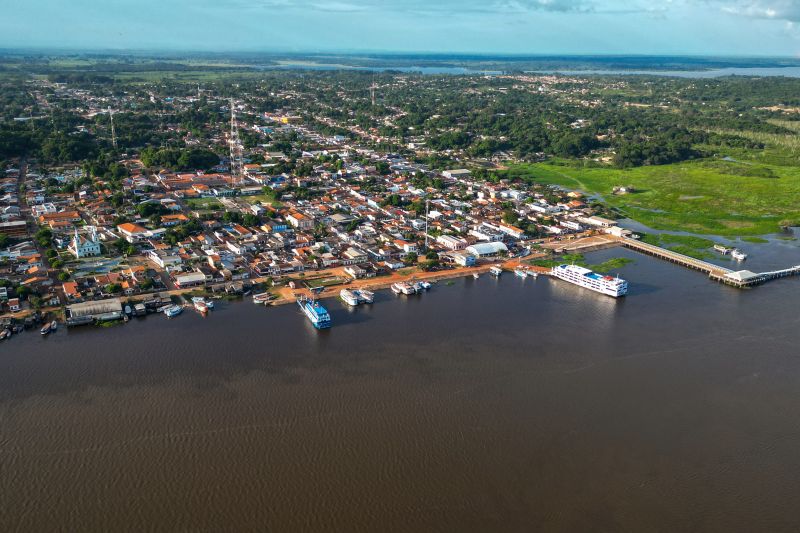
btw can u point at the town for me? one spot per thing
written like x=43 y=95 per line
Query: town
x=259 y=200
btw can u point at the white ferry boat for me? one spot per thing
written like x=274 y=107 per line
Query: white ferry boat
x=521 y=273
x=496 y=271
x=583 y=277
x=367 y=296
x=350 y=297
x=402 y=287
x=738 y=255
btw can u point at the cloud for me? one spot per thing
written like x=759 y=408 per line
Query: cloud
x=787 y=10
x=432 y=6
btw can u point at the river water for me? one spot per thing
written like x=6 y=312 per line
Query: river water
x=483 y=405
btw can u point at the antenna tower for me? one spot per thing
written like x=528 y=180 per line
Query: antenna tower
x=113 y=131
x=236 y=147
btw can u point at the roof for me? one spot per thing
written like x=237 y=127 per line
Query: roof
x=487 y=248
x=99 y=307
x=741 y=275
x=131 y=228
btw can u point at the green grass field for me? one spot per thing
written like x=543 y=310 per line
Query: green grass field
x=204 y=203
x=710 y=196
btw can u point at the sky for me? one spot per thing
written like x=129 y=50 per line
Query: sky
x=661 y=27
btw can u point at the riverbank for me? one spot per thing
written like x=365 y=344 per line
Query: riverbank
x=285 y=294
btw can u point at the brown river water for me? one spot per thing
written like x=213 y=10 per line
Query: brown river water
x=483 y=405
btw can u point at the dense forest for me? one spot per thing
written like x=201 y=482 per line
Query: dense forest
x=623 y=121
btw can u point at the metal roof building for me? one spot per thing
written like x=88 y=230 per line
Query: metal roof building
x=486 y=249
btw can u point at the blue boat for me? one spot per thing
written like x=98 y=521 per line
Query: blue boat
x=315 y=311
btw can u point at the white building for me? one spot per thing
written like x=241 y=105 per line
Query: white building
x=85 y=246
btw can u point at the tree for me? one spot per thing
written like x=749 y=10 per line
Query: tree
x=251 y=220
x=23 y=291
x=113 y=288
x=63 y=275
x=410 y=258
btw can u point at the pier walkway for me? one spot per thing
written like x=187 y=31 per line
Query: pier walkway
x=739 y=279
x=674 y=257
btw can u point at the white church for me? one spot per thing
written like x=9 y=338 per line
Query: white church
x=85 y=246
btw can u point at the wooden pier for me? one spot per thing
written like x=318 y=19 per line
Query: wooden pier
x=739 y=279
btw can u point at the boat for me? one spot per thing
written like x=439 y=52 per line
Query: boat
x=401 y=287
x=350 y=297
x=425 y=285
x=367 y=296
x=521 y=272
x=496 y=271
x=139 y=310
x=583 y=277
x=163 y=308
x=205 y=303
x=46 y=329
x=128 y=311
x=200 y=305
x=315 y=312
x=173 y=310
x=724 y=250
x=262 y=298
x=738 y=255
x=475 y=275
x=4 y=334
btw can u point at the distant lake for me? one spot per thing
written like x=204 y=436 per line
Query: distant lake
x=789 y=72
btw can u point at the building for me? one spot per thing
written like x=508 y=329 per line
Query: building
x=192 y=279
x=14 y=229
x=460 y=173
x=300 y=221
x=487 y=249
x=86 y=312
x=452 y=243
x=132 y=233
x=85 y=246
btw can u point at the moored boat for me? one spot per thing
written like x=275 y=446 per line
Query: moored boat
x=202 y=304
x=583 y=277
x=367 y=296
x=521 y=273
x=262 y=298
x=316 y=313
x=738 y=255
x=350 y=297
x=46 y=329
x=173 y=310
x=496 y=271
x=402 y=287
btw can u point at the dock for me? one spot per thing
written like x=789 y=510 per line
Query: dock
x=739 y=278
